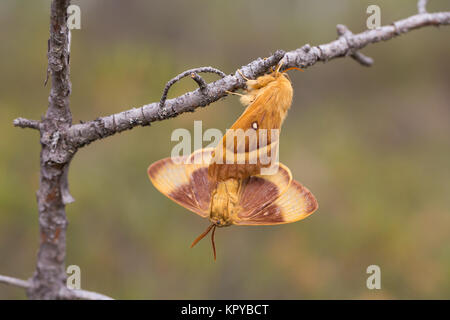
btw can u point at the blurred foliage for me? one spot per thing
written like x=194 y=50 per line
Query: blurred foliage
x=371 y=143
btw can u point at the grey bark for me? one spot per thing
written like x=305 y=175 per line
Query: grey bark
x=422 y=6
x=50 y=274
x=347 y=44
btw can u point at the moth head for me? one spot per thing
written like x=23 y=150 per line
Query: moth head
x=260 y=81
x=217 y=217
x=264 y=80
x=220 y=222
x=277 y=73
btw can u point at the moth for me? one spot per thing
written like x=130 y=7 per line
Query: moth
x=268 y=99
x=255 y=200
x=239 y=193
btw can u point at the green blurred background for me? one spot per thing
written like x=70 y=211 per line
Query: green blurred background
x=372 y=144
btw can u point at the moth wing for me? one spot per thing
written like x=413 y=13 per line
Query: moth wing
x=263 y=111
x=250 y=142
x=294 y=204
x=258 y=191
x=185 y=180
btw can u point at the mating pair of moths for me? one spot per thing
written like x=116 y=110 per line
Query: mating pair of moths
x=236 y=193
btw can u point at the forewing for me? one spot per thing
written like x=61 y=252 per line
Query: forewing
x=256 y=192
x=185 y=180
x=295 y=204
x=251 y=143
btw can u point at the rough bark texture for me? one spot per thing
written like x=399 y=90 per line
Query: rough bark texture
x=347 y=44
x=50 y=275
x=60 y=139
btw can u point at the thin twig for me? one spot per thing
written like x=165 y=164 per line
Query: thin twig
x=70 y=294
x=14 y=281
x=65 y=293
x=422 y=6
x=346 y=34
x=26 y=123
x=184 y=74
x=197 y=78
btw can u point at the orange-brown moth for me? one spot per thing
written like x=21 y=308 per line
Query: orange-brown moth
x=268 y=99
x=237 y=194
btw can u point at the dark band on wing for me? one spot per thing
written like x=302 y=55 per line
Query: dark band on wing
x=202 y=187
x=272 y=214
x=183 y=195
x=197 y=193
x=186 y=184
x=256 y=191
x=295 y=204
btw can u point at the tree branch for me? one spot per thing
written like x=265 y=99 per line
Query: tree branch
x=26 y=123
x=194 y=74
x=306 y=56
x=64 y=293
x=345 y=33
x=70 y=294
x=200 y=81
x=14 y=281
x=422 y=6
x=50 y=274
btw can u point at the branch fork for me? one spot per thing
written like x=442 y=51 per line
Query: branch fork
x=26 y=123
x=194 y=74
x=346 y=34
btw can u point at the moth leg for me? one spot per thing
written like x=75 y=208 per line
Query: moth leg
x=271 y=68
x=246 y=99
x=235 y=93
x=242 y=75
x=280 y=64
